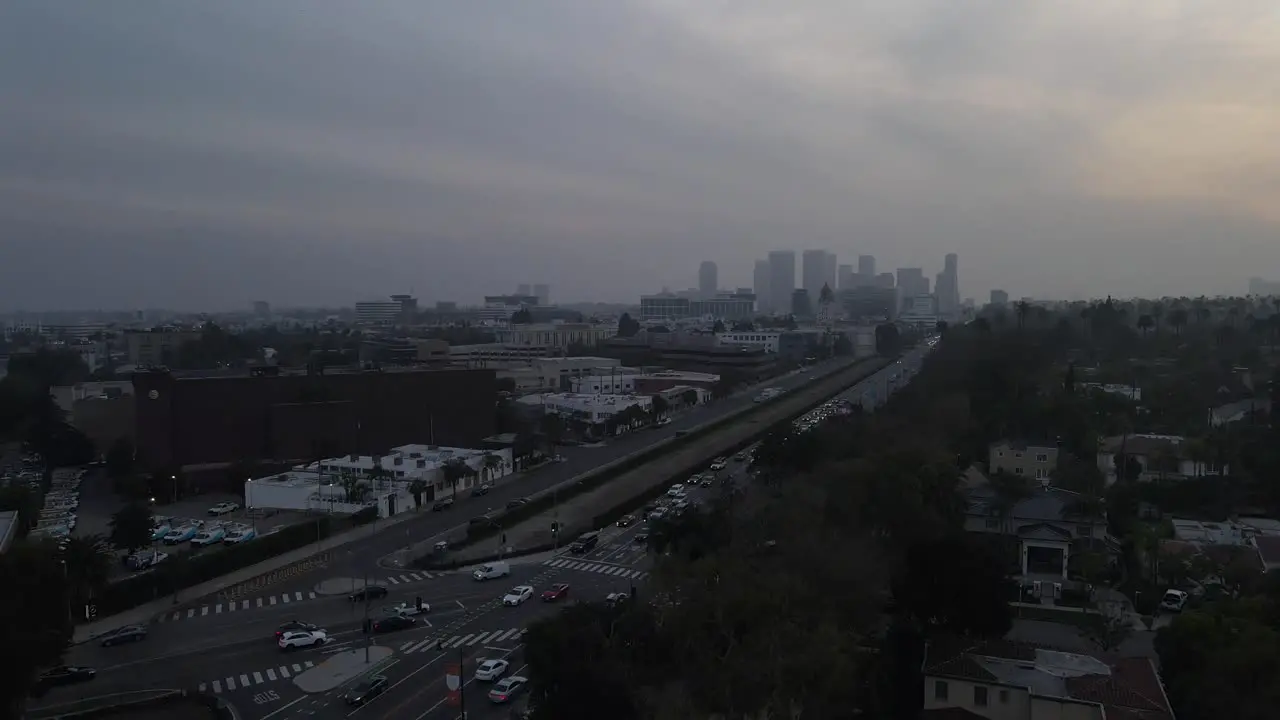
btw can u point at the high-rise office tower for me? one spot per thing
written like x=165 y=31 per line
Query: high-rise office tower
x=952 y=270
x=999 y=298
x=708 y=280
x=814 y=271
x=866 y=269
x=760 y=283
x=524 y=289
x=829 y=275
x=543 y=293
x=911 y=283
x=844 y=278
x=782 y=279
x=885 y=280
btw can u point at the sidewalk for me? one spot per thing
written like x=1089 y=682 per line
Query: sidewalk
x=143 y=614
x=577 y=515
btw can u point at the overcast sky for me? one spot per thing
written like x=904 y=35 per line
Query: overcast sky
x=205 y=154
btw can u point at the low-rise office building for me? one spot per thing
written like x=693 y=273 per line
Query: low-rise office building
x=349 y=483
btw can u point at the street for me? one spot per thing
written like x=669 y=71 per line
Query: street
x=229 y=648
x=362 y=556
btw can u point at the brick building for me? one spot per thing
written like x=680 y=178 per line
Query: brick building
x=202 y=421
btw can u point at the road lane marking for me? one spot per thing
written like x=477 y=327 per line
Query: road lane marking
x=284 y=671
x=283 y=598
x=509 y=634
x=297 y=595
x=217 y=686
x=271 y=674
x=297 y=668
x=218 y=608
x=191 y=613
x=244 y=605
x=286 y=707
x=308 y=663
x=259 y=602
x=479 y=638
x=257 y=678
x=204 y=611
x=393 y=581
x=244 y=681
x=273 y=599
x=231 y=683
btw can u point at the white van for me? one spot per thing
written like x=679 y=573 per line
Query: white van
x=490 y=571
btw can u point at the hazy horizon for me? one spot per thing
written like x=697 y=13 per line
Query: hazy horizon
x=183 y=155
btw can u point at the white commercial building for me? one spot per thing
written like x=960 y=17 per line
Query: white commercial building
x=762 y=339
x=593 y=408
x=351 y=482
x=557 y=335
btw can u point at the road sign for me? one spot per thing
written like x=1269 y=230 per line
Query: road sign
x=453 y=681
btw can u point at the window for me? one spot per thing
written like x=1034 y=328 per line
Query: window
x=1084 y=530
x=979 y=696
x=940 y=690
x=993 y=524
x=1042 y=457
x=1017 y=471
x=1017 y=454
x=1004 y=697
x=1041 y=473
x=999 y=453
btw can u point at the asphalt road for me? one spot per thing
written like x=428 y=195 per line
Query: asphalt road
x=233 y=653
x=361 y=556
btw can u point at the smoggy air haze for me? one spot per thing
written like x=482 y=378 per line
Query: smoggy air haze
x=197 y=155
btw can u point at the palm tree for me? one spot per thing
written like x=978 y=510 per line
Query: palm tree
x=1178 y=319
x=1145 y=323
x=491 y=464
x=87 y=563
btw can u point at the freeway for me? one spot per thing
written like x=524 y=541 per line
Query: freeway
x=229 y=649
x=361 y=556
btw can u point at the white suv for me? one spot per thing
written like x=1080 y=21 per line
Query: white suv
x=302 y=638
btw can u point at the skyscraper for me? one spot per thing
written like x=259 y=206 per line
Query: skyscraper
x=543 y=293
x=524 y=289
x=866 y=269
x=829 y=275
x=844 y=278
x=782 y=279
x=814 y=271
x=708 y=280
x=760 y=283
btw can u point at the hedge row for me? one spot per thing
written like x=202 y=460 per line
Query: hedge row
x=546 y=499
x=182 y=572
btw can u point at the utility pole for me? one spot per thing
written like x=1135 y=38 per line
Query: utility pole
x=368 y=638
x=462 y=685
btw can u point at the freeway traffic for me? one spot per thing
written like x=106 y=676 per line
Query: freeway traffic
x=231 y=650
x=361 y=556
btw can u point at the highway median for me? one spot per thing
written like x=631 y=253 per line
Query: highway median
x=624 y=484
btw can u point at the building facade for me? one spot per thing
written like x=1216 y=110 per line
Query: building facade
x=556 y=335
x=708 y=279
x=195 y=421
x=146 y=348
x=760 y=284
x=782 y=280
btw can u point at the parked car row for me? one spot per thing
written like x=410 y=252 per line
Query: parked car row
x=61 y=503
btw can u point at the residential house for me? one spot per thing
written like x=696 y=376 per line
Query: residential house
x=1048 y=523
x=1239 y=410
x=1163 y=457
x=1018 y=458
x=1007 y=680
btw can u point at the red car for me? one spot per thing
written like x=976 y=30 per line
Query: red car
x=557 y=591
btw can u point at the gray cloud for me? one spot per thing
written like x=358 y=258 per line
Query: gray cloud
x=183 y=154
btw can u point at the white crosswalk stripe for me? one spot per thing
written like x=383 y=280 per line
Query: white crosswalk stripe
x=393 y=581
x=259 y=677
x=617 y=571
x=405 y=578
x=219 y=608
x=454 y=642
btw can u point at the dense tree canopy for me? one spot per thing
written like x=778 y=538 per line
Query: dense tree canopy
x=809 y=593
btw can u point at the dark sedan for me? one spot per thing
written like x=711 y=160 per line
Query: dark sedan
x=121 y=635
x=391 y=623
x=62 y=675
x=372 y=592
x=366 y=690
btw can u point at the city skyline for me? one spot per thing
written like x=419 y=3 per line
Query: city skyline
x=460 y=149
